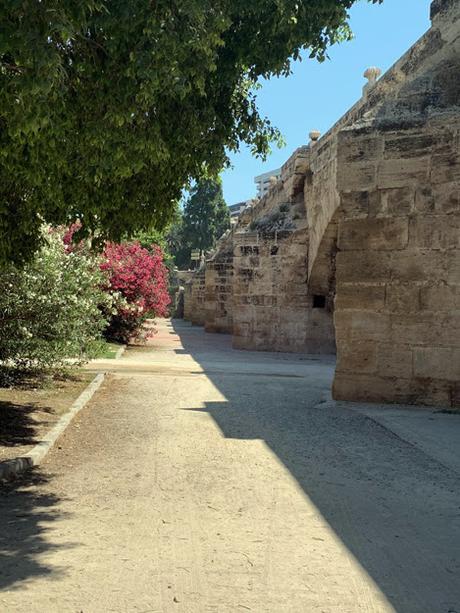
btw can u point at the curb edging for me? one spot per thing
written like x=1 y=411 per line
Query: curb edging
x=120 y=352
x=16 y=466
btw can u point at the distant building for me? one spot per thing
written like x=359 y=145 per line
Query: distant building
x=263 y=181
x=236 y=209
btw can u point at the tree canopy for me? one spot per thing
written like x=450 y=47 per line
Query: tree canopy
x=107 y=109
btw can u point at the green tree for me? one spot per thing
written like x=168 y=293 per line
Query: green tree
x=206 y=215
x=205 y=218
x=178 y=247
x=108 y=109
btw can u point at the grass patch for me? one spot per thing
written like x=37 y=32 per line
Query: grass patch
x=109 y=352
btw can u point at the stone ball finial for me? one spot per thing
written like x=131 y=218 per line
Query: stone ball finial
x=372 y=74
x=314 y=135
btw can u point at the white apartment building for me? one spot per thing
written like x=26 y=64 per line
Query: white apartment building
x=263 y=181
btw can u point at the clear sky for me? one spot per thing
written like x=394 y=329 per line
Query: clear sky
x=316 y=95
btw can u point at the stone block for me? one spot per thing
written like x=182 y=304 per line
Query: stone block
x=446 y=197
x=409 y=330
x=440 y=297
x=374 y=388
x=445 y=168
x=400 y=201
x=356 y=357
x=418 y=265
x=425 y=201
x=363 y=267
x=360 y=297
x=402 y=298
x=394 y=360
x=361 y=326
x=453 y=267
x=436 y=231
x=417 y=145
x=360 y=205
x=356 y=177
x=379 y=234
x=437 y=363
x=362 y=149
x=402 y=172
x=354 y=205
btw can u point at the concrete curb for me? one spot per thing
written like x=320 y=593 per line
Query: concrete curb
x=120 y=352
x=13 y=468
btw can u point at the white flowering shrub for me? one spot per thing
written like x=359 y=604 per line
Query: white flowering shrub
x=50 y=310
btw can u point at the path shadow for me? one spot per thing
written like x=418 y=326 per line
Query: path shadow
x=27 y=514
x=17 y=425
x=396 y=510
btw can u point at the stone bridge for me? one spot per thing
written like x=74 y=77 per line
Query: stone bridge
x=356 y=248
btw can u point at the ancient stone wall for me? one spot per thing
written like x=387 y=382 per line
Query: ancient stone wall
x=194 y=298
x=358 y=243
x=398 y=266
x=219 y=287
x=270 y=291
x=273 y=308
x=398 y=262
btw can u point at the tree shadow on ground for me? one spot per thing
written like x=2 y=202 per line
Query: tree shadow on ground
x=27 y=513
x=395 y=509
x=17 y=425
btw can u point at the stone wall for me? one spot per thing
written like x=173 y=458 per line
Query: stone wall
x=358 y=243
x=273 y=308
x=398 y=262
x=219 y=288
x=270 y=291
x=194 y=298
x=398 y=267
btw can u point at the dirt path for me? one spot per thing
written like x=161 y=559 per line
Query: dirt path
x=204 y=480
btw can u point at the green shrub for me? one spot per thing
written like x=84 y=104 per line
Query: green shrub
x=49 y=310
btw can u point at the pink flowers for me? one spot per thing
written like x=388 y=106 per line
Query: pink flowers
x=140 y=277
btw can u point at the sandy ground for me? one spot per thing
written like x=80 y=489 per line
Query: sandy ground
x=27 y=414
x=205 y=480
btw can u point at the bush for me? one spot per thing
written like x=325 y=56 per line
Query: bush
x=49 y=310
x=138 y=284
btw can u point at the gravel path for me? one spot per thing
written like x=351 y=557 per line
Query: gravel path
x=204 y=480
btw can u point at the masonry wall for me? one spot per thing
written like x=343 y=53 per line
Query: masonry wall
x=398 y=261
x=194 y=299
x=270 y=291
x=398 y=267
x=273 y=308
x=362 y=231
x=219 y=289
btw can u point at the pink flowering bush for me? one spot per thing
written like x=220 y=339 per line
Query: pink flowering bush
x=137 y=279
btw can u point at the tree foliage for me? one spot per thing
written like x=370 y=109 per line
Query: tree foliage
x=107 y=109
x=205 y=218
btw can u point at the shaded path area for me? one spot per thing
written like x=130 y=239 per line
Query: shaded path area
x=205 y=480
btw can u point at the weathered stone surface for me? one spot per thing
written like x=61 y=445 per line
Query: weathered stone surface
x=363 y=267
x=438 y=363
x=402 y=172
x=358 y=244
x=385 y=234
x=435 y=232
x=194 y=298
x=362 y=297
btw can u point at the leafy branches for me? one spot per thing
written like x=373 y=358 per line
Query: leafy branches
x=107 y=110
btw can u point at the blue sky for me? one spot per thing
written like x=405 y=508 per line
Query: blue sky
x=316 y=95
